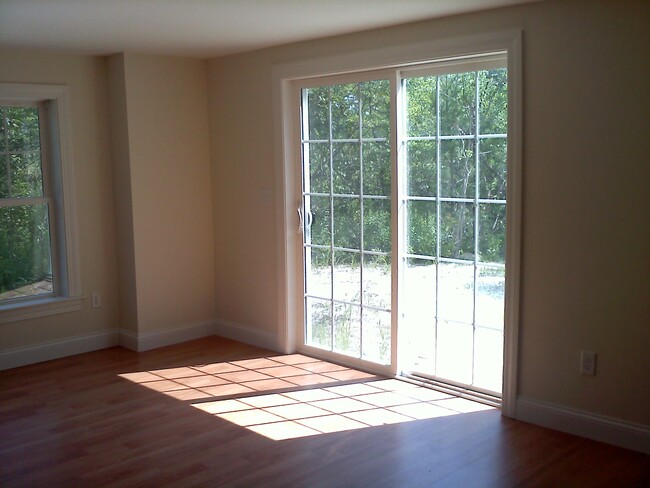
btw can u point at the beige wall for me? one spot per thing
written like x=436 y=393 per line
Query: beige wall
x=86 y=78
x=160 y=115
x=585 y=280
x=143 y=185
x=121 y=156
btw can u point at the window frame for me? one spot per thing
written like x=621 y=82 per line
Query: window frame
x=58 y=181
x=285 y=108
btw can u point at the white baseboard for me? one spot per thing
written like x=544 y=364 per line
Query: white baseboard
x=585 y=424
x=128 y=339
x=161 y=338
x=47 y=351
x=248 y=335
x=23 y=356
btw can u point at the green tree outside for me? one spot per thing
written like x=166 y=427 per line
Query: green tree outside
x=24 y=229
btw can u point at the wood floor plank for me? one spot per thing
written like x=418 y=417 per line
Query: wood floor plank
x=115 y=418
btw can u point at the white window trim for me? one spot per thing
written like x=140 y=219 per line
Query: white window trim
x=69 y=295
x=288 y=179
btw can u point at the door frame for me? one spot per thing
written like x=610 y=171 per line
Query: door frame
x=286 y=109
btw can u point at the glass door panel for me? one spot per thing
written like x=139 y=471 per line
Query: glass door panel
x=347 y=219
x=452 y=269
x=451 y=226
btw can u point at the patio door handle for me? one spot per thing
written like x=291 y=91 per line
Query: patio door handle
x=301 y=219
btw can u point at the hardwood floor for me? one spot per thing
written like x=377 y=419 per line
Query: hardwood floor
x=203 y=414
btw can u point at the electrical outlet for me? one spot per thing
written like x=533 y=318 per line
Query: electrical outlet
x=96 y=300
x=588 y=363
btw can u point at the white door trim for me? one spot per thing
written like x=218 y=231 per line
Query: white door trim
x=287 y=159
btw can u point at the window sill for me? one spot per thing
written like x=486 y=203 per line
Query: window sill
x=39 y=308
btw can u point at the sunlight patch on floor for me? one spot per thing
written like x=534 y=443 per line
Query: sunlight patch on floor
x=289 y=415
x=306 y=395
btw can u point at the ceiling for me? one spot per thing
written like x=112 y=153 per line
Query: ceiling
x=205 y=28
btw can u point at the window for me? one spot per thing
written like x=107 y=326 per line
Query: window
x=38 y=272
x=25 y=203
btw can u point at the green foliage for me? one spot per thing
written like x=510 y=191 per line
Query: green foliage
x=24 y=246
x=347 y=222
x=492 y=169
x=320 y=315
x=376 y=168
x=457 y=230
x=457 y=169
x=421 y=168
x=376 y=225
x=421 y=227
x=493 y=101
x=24 y=229
x=458 y=178
x=360 y=121
x=458 y=104
x=421 y=106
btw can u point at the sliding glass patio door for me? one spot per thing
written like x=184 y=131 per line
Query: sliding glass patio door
x=408 y=239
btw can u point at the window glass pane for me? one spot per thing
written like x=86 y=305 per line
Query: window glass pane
x=319 y=167
x=376 y=168
x=457 y=104
x=347 y=329
x=345 y=111
x=375 y=102
x=456 y=292
x=490 y=291
x=318 y=100
x=455 y=351
x=457 y=230
x=4 y=176
x=347 y=223
x=318 y=272
x=420 y=289
x=3 y=139
x=376 y=280
x=421 y=342
x=488 y=359
x=419 y=311
x=25 y=261
x=22 y=129
x=457 y=168
x=346 y=167
x=319 y=323
x=493 y=101
x=376 y=336
x=421 y=227
x=347 y=276
x=421 y=106
x=492 y=169
x=421 y=168
x=376 y=225
x=26 y=178
x=492 y=233
x=320 y=231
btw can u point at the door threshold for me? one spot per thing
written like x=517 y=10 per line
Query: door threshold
x=451 y=389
